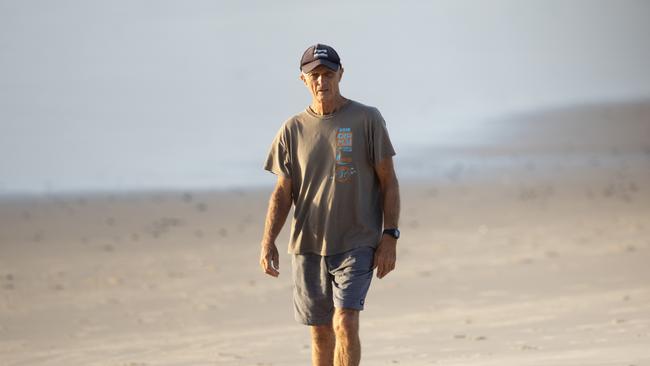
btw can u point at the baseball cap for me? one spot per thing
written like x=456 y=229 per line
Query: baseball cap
x=319 y=54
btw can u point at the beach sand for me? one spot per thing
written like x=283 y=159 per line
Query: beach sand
x=538 y=265
x=522 y=256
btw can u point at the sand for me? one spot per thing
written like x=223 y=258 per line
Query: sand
x=541 y=264
x=534 y=254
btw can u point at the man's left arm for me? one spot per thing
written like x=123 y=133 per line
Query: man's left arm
x=386 y=253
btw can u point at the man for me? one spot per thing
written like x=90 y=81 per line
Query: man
x=334 y=163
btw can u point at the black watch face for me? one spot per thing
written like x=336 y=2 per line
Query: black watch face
x=392 y=232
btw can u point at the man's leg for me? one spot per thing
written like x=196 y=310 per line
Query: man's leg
x=347 y=351
x=352 y=271
x=322 y=345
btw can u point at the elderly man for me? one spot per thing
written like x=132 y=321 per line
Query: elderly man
x=334 y=163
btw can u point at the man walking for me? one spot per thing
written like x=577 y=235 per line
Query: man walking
x=334 y=163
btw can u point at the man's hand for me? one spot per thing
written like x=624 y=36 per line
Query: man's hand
x=270 y=259
x=279 y=206
x=385 y=256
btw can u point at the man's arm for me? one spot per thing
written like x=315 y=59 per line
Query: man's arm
x=385 y=255
x=279 y=207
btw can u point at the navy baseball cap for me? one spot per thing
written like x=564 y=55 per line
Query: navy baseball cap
x=319 y=54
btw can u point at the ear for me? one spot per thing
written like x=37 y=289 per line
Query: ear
x=302 y=77
x=341 y=73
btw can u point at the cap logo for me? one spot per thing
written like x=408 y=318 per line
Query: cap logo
x=320 y=53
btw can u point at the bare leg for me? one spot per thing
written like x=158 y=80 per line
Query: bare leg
x=348 y=346
x=322 y=345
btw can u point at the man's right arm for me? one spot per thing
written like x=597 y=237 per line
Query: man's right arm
x=279 y=207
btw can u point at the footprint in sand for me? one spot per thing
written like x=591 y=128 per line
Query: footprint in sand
x=225 y=356
x=608 y=191
x=527 y=347
x=37 y=237
x=8 y=281
x=551 y=254
x=164 y=225
x=424 y=273
x=525 y=260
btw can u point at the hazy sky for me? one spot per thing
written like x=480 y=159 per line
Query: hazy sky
x=138 y=94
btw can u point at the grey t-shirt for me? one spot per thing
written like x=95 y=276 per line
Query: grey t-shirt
x=330 y=160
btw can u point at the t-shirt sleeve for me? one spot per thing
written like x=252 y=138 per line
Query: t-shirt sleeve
x=380 y=144
x=278 y=160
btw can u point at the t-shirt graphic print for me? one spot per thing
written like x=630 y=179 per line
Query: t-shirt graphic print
x=344 y=167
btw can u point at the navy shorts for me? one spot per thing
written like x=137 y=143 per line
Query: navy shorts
x=324 y=282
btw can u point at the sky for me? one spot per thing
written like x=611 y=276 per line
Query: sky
x=120 y=95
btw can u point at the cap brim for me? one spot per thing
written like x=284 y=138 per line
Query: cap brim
x=307 y=68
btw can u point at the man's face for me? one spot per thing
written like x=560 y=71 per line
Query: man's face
x=323 y=82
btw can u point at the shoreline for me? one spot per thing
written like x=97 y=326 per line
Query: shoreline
x=444 y=167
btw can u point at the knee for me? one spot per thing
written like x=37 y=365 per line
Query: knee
x=322 y=333
x=346 y=322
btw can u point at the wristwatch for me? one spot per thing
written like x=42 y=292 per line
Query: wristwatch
x=392 y=232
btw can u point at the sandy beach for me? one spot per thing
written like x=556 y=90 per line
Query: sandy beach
x=133 y=199
x=544 y=263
